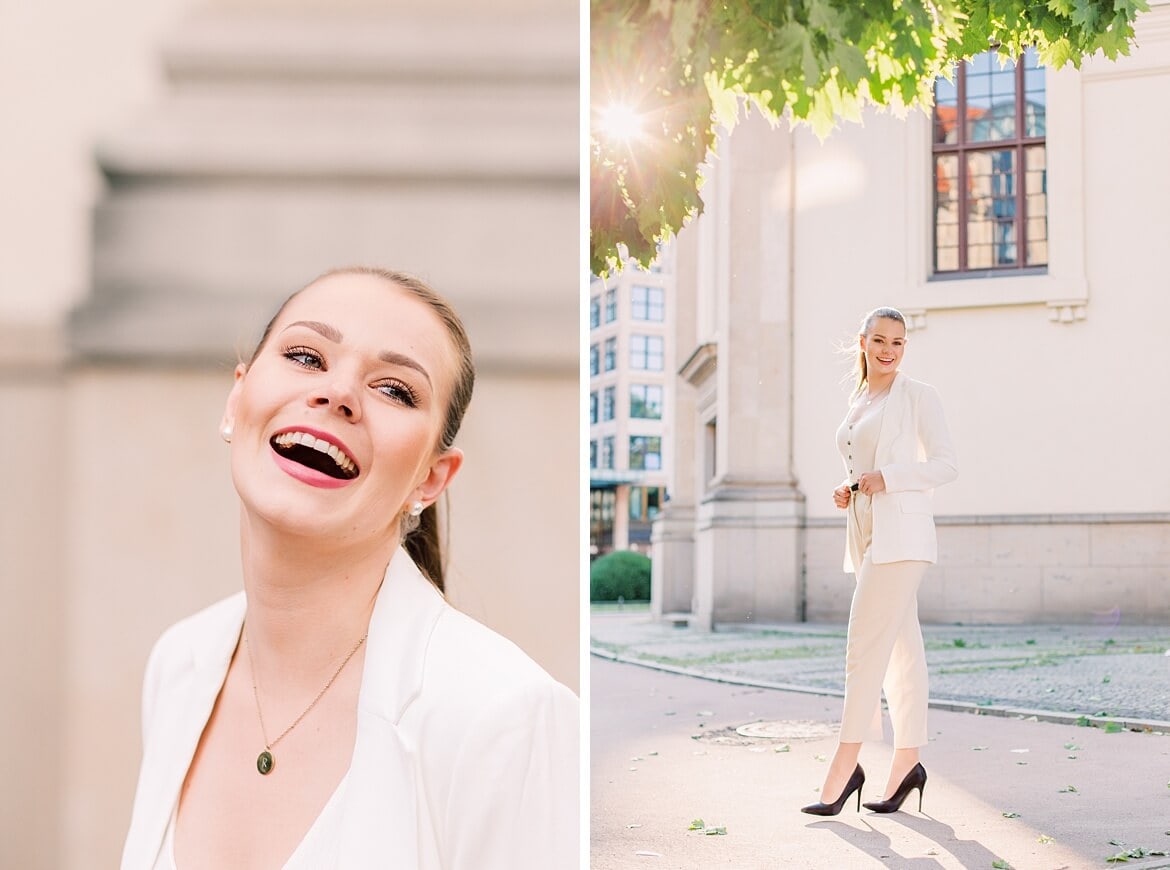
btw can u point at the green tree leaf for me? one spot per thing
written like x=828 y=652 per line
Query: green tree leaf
x=685 y=67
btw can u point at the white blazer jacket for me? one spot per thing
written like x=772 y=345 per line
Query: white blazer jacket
x=914 y=455
x=466 y=755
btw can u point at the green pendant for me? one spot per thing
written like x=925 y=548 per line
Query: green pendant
x=265 y=762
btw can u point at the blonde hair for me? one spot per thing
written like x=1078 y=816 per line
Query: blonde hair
x=860 y=375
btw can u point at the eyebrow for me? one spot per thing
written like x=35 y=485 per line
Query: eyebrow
x=389 y=356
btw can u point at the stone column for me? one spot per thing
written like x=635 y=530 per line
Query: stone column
x=672 y=536
x=751 y=514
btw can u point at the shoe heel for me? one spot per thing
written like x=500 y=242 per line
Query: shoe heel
x=859 y=798
x=921 y=789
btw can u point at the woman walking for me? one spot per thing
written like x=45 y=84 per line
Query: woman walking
x=896 y=450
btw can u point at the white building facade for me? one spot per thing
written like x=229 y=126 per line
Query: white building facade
x=1026 y=252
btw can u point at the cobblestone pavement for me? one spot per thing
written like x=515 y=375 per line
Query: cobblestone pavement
x=1118 y=671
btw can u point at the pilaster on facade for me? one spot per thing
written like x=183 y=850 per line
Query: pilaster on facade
x=206 y=222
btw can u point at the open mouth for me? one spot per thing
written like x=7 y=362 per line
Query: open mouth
x=315 y=453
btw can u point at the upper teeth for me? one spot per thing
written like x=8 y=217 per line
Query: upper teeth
x=287 y=439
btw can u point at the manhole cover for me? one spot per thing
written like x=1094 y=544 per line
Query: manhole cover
x=787 y=729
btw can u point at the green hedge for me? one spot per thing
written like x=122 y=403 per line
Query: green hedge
x=620 y=574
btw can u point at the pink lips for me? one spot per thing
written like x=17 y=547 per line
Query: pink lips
x=312 y=476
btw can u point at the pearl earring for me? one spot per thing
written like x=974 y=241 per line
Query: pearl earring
x=416 y=509
x=226 y=432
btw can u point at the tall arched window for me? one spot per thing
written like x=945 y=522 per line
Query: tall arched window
x=990 y=171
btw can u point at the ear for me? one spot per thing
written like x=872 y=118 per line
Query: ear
x=439 y=476
x=229 y=411
x=861 y=341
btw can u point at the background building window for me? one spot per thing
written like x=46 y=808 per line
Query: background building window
x=646 y=401
x=610 y=354
x=990 y=167
x=594 y=360
x=595 y=312
x=593 y=408
x=646 y=352
x=647 y=303
x=607 y=406
x=645 y=452
x=645 y=502
x=593 y=454
x=611 y=305
x=607 y=452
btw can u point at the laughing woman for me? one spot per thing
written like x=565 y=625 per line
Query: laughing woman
x=896 y=450
x=338 y=712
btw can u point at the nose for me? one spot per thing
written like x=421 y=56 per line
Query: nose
x=339 y=395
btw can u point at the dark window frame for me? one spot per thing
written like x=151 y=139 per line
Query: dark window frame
x=961 y=150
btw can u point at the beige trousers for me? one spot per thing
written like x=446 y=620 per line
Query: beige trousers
x=885 y=650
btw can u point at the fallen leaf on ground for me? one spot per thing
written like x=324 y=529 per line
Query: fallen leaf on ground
x=1068 y=789
x=978 y=748
x=1136 y=852
x=820 y=757
x=697 y=825
x=1010 y=815
x=633 y=826
x=1045 y=839
x=1001 y=865
x=645 y=854
x=721 y=830
x=783 y=747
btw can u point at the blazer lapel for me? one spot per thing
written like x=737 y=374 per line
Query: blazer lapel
x=182 y=709
x=380 y=816
x=891 y=423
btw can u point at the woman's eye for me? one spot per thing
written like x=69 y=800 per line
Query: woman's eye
x=304 y=356
x=399 y=392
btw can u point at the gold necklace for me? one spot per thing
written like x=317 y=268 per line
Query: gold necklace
x=869 y=401
x=265 y=760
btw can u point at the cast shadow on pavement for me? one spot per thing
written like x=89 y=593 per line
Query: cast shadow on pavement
x=878 y=846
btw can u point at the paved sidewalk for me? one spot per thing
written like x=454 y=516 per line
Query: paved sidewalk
x=1008 y=790
x=1096 y=671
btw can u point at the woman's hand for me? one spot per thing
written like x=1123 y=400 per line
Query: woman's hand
x=871 y=483
x=841 y=496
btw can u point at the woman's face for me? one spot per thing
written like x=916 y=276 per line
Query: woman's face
x=336 y=424
x=884 y=344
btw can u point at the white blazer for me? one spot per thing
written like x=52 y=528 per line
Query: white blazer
x=914 y=454
x=466 y=755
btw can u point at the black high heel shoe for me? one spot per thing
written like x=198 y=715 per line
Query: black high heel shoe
x=915 y=779
x=856 y=781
